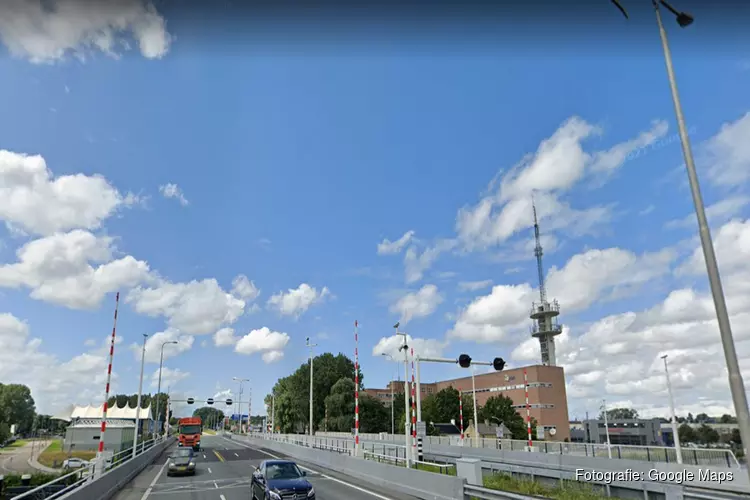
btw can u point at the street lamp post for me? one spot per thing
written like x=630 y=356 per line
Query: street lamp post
x=606 y=428
x=675 y=433
x=407 y=426
x=239 y=399
x=158 y=389
x=393 y=418
x=273 y=412
x=138 y=406
x=310 y=346
x=736 y=384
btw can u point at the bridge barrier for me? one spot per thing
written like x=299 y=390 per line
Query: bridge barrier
x=421 y=484
x=114 y=479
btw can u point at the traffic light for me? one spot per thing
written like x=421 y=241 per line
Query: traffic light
x=464 y=361
x=498 y=364
x=210 y=401
x=229 y=402
x=190 y=401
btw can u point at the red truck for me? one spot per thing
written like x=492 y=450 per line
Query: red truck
x=190 y=429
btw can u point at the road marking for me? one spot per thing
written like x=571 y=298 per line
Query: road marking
x=218 y=455
x=222 y=497
x=376 y=495
x=216 y=485
x=151 y=486
x=209 y=470
x=236 y=455
x=204 y=455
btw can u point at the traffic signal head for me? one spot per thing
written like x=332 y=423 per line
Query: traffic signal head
x=229 y=402
x=210 y=401
x=190 y=401
x=498 y=363
x=464 y=361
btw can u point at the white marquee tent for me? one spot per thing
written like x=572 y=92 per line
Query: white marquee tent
x=125 y=413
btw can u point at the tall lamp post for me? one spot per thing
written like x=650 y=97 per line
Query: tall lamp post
x=675 y=432
x=158 y=389
x=736 y=384
x=606 y=427
x=239 y=401
x=138 y=406
x=407 y=426
x=393 y=419
x=310 y=346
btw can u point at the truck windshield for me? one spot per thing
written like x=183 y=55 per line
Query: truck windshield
x=190 y=429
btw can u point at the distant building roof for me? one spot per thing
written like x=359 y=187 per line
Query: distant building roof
x=97 y=422
x=448 y=429
x=95 y=412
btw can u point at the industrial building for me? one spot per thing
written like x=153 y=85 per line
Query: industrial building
x=84 y=434
x=548 y=403
x=640 y=432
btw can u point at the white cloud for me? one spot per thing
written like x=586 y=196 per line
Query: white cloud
x=727 y=154
x=474 y=285
x=33 y=201
x=732 y=247
x=559 y=163
x=169 y=378
x=45 y=32
x=418 y=304
x=196 y=308
x=263 y=340
x=174 y=191
x=426 y=348
x=244 y=289
x=58 y=269
x=415 y=263
x=718 y=213
x=388 y=247
x=496 y=316
x=155 y=341
x=225 y=337
x=298 y=300
x=79 y=379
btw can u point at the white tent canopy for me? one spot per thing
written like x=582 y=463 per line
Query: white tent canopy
x=114 y=413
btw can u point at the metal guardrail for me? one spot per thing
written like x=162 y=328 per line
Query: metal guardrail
x=690 y=456
x=472 y=491
x=78 y=477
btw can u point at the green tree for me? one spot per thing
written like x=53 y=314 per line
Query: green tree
x=686 y=433
x=735 y=437
x=443 y=406
x=17 y=407
x=339 y=406
x=706 y=434
x=209 y=415
x=727 y=419
x=702 y=418
x=374 y=416
x=500 y=408
x=620 y=414
x=4 y=432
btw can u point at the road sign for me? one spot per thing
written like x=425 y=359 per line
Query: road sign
x=499 y=432
x=421 y=429
x=540 y=432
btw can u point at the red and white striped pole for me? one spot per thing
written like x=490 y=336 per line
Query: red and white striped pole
x=528 y=408
x=356 y=388
x=461 y=416
x=109 y=379
x=413 y=406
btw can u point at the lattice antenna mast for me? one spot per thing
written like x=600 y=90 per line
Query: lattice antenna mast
x=538 y=255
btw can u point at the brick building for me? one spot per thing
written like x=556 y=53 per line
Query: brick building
x=547 y=396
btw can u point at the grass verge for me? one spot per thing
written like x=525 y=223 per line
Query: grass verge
x=14 y=445
x=209 y=432
x=37 y=479
x=567 y=490
x=54 y=456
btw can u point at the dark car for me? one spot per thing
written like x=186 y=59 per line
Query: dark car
x=181 y=461
x=280 y=480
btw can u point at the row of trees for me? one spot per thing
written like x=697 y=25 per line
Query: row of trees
x=701 y=418
x=333 y=403
x=17 y=408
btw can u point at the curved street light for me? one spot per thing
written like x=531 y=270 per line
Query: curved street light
x=158 y=389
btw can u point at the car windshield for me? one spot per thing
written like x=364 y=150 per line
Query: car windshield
x=283 y=471
x=190 y=429
x=182 y=453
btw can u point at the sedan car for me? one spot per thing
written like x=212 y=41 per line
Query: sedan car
x=182 y=461
x=75 y=463
x=280 y=480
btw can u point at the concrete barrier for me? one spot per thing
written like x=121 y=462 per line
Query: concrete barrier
x=421 y=484
x=116 y=479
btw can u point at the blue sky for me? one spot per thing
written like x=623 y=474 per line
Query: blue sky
x=296 y=158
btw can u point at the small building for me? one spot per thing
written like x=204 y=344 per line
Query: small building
x=84 y=434
x=449 y=429
x=487 y=430
x=639 y=432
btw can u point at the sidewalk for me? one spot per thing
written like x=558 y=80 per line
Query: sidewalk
x=32 y=461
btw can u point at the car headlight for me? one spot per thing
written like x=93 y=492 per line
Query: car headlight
x=274 y=495
x=311 y=492
x=171 y=465
x=191 y=464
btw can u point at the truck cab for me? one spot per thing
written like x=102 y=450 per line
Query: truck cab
x=190 y=430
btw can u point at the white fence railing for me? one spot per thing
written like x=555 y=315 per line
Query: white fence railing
x=690 y=456
x=72 y=480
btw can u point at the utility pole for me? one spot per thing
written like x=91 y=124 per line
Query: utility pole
x=675 y=432
x=138 y=407
x=606 y=427
x=407 y=434
x=239 y=399
x=310 y=346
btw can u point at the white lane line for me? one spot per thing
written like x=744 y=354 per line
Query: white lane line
x=204 y=455
x=209 y=470
x=371 y=493
x=237 y=455
x=216 y=485
x=222 y=497
x=151 y=486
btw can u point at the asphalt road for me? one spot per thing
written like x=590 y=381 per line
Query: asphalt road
x=223 y=471
x=16 y=460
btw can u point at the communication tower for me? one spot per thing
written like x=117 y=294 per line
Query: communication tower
x=544 y=313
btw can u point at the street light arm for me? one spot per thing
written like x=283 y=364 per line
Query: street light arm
x=621 y=8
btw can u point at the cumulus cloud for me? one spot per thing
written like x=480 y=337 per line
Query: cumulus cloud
x=296 y=301
x=474 y=285
x=225 y=337
x=265 y=341
x=154 y=343
x=169 y=378
x=45 y=32
x=426 y=348
x=727 y=154
x=74 y=269
x=388 y=247
x=418 y=304
x=174 y=191
x=244 y=289
x=196 y=308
